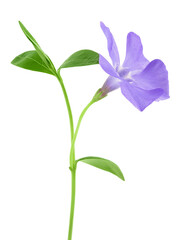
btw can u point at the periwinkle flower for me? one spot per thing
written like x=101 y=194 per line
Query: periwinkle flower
x=141 y=82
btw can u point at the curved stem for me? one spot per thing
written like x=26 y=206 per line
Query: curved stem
x=73 y=170
x=72 y=151
x=68 y=109
x=72 y=163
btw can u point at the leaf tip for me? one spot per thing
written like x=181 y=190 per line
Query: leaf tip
x=12 y=62
x=21 y=26
x=122 y=178
x=19 y=22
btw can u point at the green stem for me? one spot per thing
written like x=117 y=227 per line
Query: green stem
x=73 y=171
x=73 y=180
x=72 y=162
x=72 y=151
x=68 y=109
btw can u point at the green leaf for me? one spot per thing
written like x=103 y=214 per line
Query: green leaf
x=81 y=58
x=103 y=164
x=28 y=35
x=43 y=56
x=32 y=61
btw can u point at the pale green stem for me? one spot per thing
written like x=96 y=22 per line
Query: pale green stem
x=72 y=151
x=73 y=171
x=72 y=163
x=73 y=184
x=68 y=109
x=73 y=181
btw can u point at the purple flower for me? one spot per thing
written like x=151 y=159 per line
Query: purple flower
x=141 y=82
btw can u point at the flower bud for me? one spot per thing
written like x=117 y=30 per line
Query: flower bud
x=100 y=94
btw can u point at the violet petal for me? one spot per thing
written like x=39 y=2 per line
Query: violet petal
x=139 y=97
x=107 y=67
x=154 y=76
x=134 y=59
x=112 y=47
x=110 y=84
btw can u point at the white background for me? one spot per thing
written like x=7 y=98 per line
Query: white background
x=34 y=127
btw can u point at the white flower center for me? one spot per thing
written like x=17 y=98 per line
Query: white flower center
x=124 y=73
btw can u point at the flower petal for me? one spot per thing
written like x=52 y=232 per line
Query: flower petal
x=139 y=97
x=112 y=47
x=107 y=67
x=110 y=84
x=134 y=59
x=154 y=76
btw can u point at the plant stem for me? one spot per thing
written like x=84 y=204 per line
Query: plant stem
x=73 y=179
x=72 y=151
x=68 y=109
x=72 y=163
x=73 y=171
